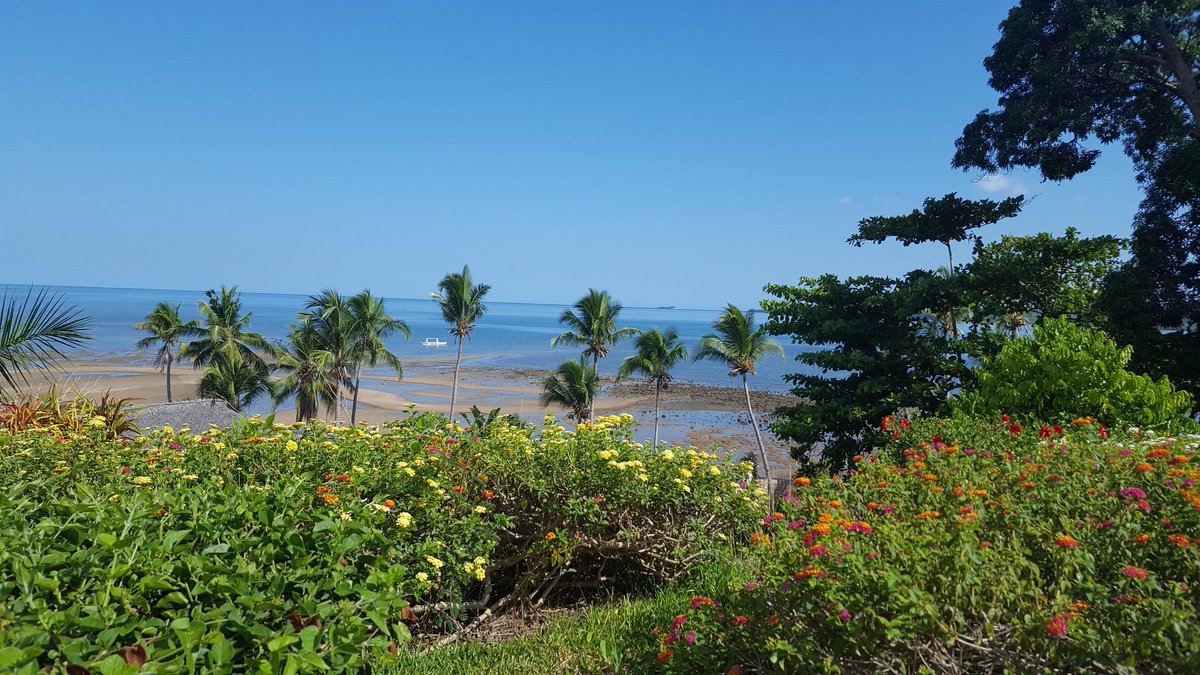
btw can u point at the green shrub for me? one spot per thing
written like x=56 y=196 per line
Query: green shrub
x=1065 y=372
x=970 y=546
x=274 y=548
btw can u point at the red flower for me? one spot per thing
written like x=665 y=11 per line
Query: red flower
x=1015 y=430
x=1004 y=419
x=905 y=425
x=1057 y=627
x=1044 y=433
x=1135 y=573
x=1103 y=432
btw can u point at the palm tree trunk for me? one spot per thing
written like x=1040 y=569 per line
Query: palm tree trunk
x=762 y=451
x=454 y=382
x=354 y=405
x=595 y=369
x=953 y=318
x=657 y=389
x=169 y=378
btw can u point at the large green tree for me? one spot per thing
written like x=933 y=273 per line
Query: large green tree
x=593 y=323
x=1074 y=75
x=167 y=329
x=370 y=326
x=329 y=327
x=234 y=380
x=657 y=353
x=870 y=352
x=736 y=343
x=226 y=332
x=34 y=331
x=461 y=302
x=1042 y=276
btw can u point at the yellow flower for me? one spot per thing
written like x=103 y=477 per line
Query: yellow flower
x=685 y=473
x=141 y=480
x=404 y=519
x=480 y=509
x=667 y=455
x=410 y=472
x=292 y=446
x=712 y=470
x=437 y=564
x=422 y=577
x=191 y=476
x=346 y=516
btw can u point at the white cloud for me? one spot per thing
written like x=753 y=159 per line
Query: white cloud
x=994 y=183
x=845 y=201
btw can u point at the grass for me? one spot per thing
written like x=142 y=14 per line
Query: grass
x=614 y=637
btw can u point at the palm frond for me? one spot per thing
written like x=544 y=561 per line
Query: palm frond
x=35 y=331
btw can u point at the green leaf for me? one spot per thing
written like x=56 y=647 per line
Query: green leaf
x=215 y=549
x=281 y=642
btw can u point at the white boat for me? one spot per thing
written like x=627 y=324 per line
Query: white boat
x=433 y=342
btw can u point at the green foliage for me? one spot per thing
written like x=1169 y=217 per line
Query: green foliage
x=944 y=220
x=1065 y=372
x=34 y=331
x=1042 y=275
x=58 y=414
x=237 y=382
x=875 y=356
x=274 y=548
x=226 y=332
x=970 y=545
x=572 y=386
x=657 y=353
x=593 y=323
x=312 y=375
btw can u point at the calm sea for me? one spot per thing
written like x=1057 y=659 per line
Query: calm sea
x=510 y=335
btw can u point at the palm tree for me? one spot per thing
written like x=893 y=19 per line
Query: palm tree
x=34 y=331
x=573 y=386
x=226 y=332
x=739 y=346
x=1013 y=322
x=330 y=325
x=657 y=353
x=462 y=305
x=371 y=325
x=594 y=325
x=234 y=381
x=312 y=374
x=165 y=326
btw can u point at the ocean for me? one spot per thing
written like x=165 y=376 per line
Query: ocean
x=512 y=335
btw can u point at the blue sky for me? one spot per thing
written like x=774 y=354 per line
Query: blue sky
x=676 y=153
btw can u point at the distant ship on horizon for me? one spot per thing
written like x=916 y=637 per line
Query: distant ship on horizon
x=665 y=307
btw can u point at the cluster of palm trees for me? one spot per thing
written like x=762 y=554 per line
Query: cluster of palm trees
x=592 y=323
x=326 y=350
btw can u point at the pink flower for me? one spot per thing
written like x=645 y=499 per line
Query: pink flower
x=741 y=621
x=1135 y=573
x=690 y=638
x=1133 y=493
x=844 y=616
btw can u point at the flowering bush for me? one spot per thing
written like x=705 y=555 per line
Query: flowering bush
x=970 y=545
x=314 y=548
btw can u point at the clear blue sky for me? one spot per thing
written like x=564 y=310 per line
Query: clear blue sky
x=676 y=153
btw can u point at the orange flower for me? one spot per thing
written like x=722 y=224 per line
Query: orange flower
x=550 y=536
x=978 y=493
x=1063 y=541
x=1083 y=421
x=1142 y=538
x=1143 y=468
x=958 y=492
x=927 y=515
x=330 y=499
x=835 y=504
x=822 y=529
x=930 y=478
x=802 y=482
x=1179 y=540
x=665 y=655
x=825 y=518
x=881 y=484
x=1179 y=459
x=1155 y=454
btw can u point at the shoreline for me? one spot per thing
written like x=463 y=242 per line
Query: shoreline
x=706 y=417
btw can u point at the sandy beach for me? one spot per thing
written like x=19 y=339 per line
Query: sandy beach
x=708 y=418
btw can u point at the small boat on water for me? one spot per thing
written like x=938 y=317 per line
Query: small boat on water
x=433 y=342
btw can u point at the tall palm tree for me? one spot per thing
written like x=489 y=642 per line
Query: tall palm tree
x=226 y=332
x=593 y=323
x=573 y=385
x=370 y=327
x=235 y=381
x=461 y=302
x=657 y=353
x=1013 y=322
x=312 y=375
x=330 y=325
x=739 y=346
x=165 y=326
x=34 y=331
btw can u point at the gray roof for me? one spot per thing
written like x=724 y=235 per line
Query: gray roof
x=197 y=415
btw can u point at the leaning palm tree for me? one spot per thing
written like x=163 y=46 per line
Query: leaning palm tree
x=461 y=302
x=370 y=327
x=225 y=333
x=657 y=353
x=312 y=376
x=574 y=386
x=739 y=346
x=34 y=331
x=234 y=381
x=165 y=326
x=593 y=324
